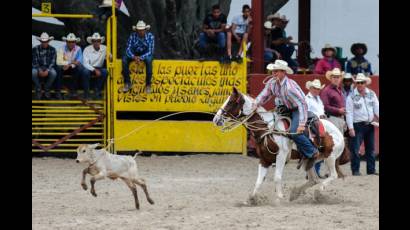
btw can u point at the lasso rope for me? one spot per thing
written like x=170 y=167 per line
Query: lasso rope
x=111 y=141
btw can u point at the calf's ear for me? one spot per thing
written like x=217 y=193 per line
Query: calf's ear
x=93 y=146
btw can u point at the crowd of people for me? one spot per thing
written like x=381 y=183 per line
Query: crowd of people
x=346 y=101
x=50 y=65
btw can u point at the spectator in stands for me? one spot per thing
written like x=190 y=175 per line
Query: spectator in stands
x=94 y=59
x=239 y=32
x=333 y=100
x=328 y=62
x=105 y=9
x=43 y=63
x=140 y=48
x=281 y=43
x=348 y=86
x=270 y=55
x=213 y=30
x=315 y=105
x=362 y=108
x=359 y=64
x=70 y=62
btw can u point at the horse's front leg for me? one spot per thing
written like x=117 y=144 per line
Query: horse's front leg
x=261 y=177
x=280 y=164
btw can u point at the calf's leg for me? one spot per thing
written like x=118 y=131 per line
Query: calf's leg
x=93 y=179
x=83 y=184
x=133 y=190
x=141 y=182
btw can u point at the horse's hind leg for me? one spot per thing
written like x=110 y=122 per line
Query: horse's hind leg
x=313 y=179
x=331 y=164
x=261 y=177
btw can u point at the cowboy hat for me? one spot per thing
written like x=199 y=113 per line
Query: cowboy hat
x=328 y=47
x=315 y=84
x=95 y=36
x=273 y=16
x=141 y=26
x=356 y=46
x=360 y=77
x=334 y=72
x=283 y=18
x=348 y=76
x=71 y=38
x=280 y=65
x=44 y=37
x=268 y=25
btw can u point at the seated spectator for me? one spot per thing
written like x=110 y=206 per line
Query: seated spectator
x=281 y=43
x=94 y=58
x=359 y=64
x=239 y=32
x=213 y=30
x=270 y=55
x=328 y=62
x=140 y=48
x=70 y=62
x=43 y=63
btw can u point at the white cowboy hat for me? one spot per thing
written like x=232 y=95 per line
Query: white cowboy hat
x=44 y=37
x=280 y=65
x=106 y=3
x=283 y=18
x=360 y=77
x=272 y=16
x=141 y=26
x=71 y=38
x=315 y=84
x=334 y=72
x=268 y=25
x=348 y=76
x=95 y=36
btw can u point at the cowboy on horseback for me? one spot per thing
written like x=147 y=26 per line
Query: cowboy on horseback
x=292 y=97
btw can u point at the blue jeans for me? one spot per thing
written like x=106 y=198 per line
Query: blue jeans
x=52 y=74
x=220 y=39
x=364 y=132
x=99 y=84
x=126 y=70
x=317 y=167
x=303 y=143
x=77 y=73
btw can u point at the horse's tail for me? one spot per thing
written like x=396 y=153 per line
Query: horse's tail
x=338 y=170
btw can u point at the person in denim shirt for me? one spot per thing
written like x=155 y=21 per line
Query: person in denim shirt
x=43 y=63
x=140 y=48
x=359 y=64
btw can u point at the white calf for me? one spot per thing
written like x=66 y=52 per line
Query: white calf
x=103 y=164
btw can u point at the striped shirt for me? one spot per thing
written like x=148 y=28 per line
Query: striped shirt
x=289 y=93
x=142 y=47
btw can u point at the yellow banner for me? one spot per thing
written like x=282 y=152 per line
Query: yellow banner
x=180 y=86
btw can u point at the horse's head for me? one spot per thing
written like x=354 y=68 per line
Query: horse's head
x=234 y=107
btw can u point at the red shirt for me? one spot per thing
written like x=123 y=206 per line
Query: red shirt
x=325 y=64
x=333 y=99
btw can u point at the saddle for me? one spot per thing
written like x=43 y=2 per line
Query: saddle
x=314 y=128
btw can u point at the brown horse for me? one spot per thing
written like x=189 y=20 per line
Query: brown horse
x=273 y=144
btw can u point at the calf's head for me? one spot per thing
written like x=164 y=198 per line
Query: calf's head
x=85 y=153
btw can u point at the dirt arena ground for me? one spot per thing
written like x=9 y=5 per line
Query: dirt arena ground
x=198 y=192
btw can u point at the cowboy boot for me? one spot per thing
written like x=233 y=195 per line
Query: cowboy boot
x=311 y=161
x=37 y=96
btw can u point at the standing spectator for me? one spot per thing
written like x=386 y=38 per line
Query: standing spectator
x=362 y=107
x=281 y=43
x=42 y=66
x=270 y=55
x=328 y=62
x=140 y=48
x=359 y=64
x=239 y=31
x=333 y=100
x=315 y=105
x=105 y=9
x=213 y=30
x=94 y=58
x=70 y=62
x=347 y=85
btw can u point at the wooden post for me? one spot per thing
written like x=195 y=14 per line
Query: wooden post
x=304 y=33
x=257 y=37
